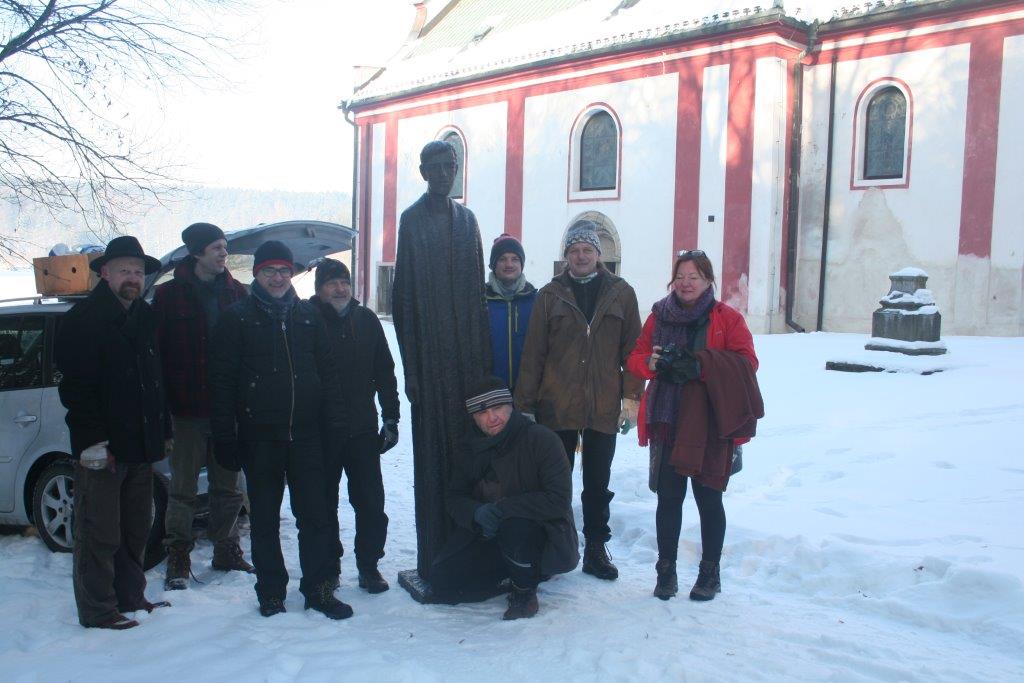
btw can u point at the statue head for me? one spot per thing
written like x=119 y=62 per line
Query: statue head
x=438 y=166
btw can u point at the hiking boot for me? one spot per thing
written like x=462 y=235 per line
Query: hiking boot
x=228 y=557
x=118 y=622
x=668 y=583
x=179 y=567
x=271 y=606
x=371 y=580
x=597 y=562
x=322 y=600
x=708 y=582
x=522 y=604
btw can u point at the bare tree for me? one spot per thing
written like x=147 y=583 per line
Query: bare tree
x=64 y=141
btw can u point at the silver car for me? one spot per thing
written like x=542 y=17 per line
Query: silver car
x=36 y=469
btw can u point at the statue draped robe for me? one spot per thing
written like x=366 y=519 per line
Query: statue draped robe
x=440 y=317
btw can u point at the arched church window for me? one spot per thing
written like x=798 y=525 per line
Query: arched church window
x=459 y=186
x=885 y=130
x=599 y=155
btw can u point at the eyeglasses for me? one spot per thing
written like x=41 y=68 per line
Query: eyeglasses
x=269 y=272
x=688 y=254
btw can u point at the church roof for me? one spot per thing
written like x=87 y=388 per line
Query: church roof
x=468 y=39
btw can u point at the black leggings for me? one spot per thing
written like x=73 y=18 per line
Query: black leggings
x=669 y=518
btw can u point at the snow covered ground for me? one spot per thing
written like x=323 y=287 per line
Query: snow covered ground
x=874 y=534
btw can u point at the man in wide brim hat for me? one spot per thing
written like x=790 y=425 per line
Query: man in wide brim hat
x=125 y=246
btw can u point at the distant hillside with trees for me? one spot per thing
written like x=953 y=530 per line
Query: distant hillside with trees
x=31 y=231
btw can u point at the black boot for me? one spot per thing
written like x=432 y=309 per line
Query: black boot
x=322 y=600
x=522 y=604
x=179 y=567
x=371 y=580
x=597 y=562
x=708 y=582
x=271 y=606
x=228 y=557
x=668 y=583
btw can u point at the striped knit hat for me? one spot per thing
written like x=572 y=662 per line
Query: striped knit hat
x=488 y=393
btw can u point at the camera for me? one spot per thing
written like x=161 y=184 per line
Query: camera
x=669 y=355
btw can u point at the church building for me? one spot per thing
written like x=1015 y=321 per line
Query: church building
x=810 y=147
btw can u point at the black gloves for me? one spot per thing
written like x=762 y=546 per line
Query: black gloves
x=488 y=516
x=388 y=435
x=228 y=455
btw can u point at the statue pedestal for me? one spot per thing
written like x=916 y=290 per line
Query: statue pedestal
x=422 y=593
x=908 y=321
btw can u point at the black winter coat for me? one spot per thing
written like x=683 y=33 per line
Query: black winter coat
x=110 y=377
x=367 y=368
x=533 y=481
x=271 y=381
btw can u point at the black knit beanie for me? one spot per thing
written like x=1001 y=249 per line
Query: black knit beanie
x=274 y=253
x=330 y=269
x=506 y=244
x=199 y=235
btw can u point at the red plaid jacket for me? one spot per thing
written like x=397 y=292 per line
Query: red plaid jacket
x=184 y=339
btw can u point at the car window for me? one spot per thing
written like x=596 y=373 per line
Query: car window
x=21 y=352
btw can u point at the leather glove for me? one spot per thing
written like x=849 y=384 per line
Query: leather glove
x=388 y=435
x=488 y=516
x=628 y=414
x=685 y=368
x=228 y=455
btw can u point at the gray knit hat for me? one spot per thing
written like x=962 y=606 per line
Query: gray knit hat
x=582 y=231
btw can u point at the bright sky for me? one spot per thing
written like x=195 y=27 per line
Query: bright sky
x=277 y=124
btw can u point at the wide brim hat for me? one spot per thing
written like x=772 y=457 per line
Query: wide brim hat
x=125 y=246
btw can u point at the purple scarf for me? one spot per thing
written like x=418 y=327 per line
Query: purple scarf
x=671 y=321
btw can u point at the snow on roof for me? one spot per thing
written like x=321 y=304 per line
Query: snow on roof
x=466 y=38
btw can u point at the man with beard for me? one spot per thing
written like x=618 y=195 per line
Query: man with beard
x=107 y=354
x=441 y=323
x=273 y=386
x=187 y=310
x=509 y=303
x=357 y=343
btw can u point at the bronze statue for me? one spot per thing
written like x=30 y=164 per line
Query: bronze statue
x=440 y=318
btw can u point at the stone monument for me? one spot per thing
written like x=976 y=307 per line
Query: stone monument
x=909 y=321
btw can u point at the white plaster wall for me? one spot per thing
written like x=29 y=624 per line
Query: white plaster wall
x=643 y=215
x=376 y=211
x=486 y=130
x=714 y=129
x=877 y=231
x=767 y=191
x=1006 y=309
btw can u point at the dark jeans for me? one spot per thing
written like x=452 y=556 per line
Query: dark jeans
x=597 y=453
x=190 y=454
x=669 y=518
x=478 y=567
x=359 y=458
x=113 y=514
x=268 y=465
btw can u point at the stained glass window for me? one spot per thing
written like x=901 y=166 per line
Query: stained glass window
x=459 y=186
x=599 y=153
x=885 y=131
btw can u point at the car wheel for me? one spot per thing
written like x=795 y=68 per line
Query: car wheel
x=155 y=550
x=53 y=506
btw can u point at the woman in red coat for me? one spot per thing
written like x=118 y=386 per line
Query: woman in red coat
x=690 y=320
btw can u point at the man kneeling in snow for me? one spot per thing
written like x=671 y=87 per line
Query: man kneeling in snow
x=510 y=494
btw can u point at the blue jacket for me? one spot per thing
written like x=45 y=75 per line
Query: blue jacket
x=509 y=320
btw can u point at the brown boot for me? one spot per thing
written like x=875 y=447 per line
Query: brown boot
x=179 y=568
x=522 y=604
x=708 y=582
x=228 y=557
x=668 y=582
x=118 y=622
